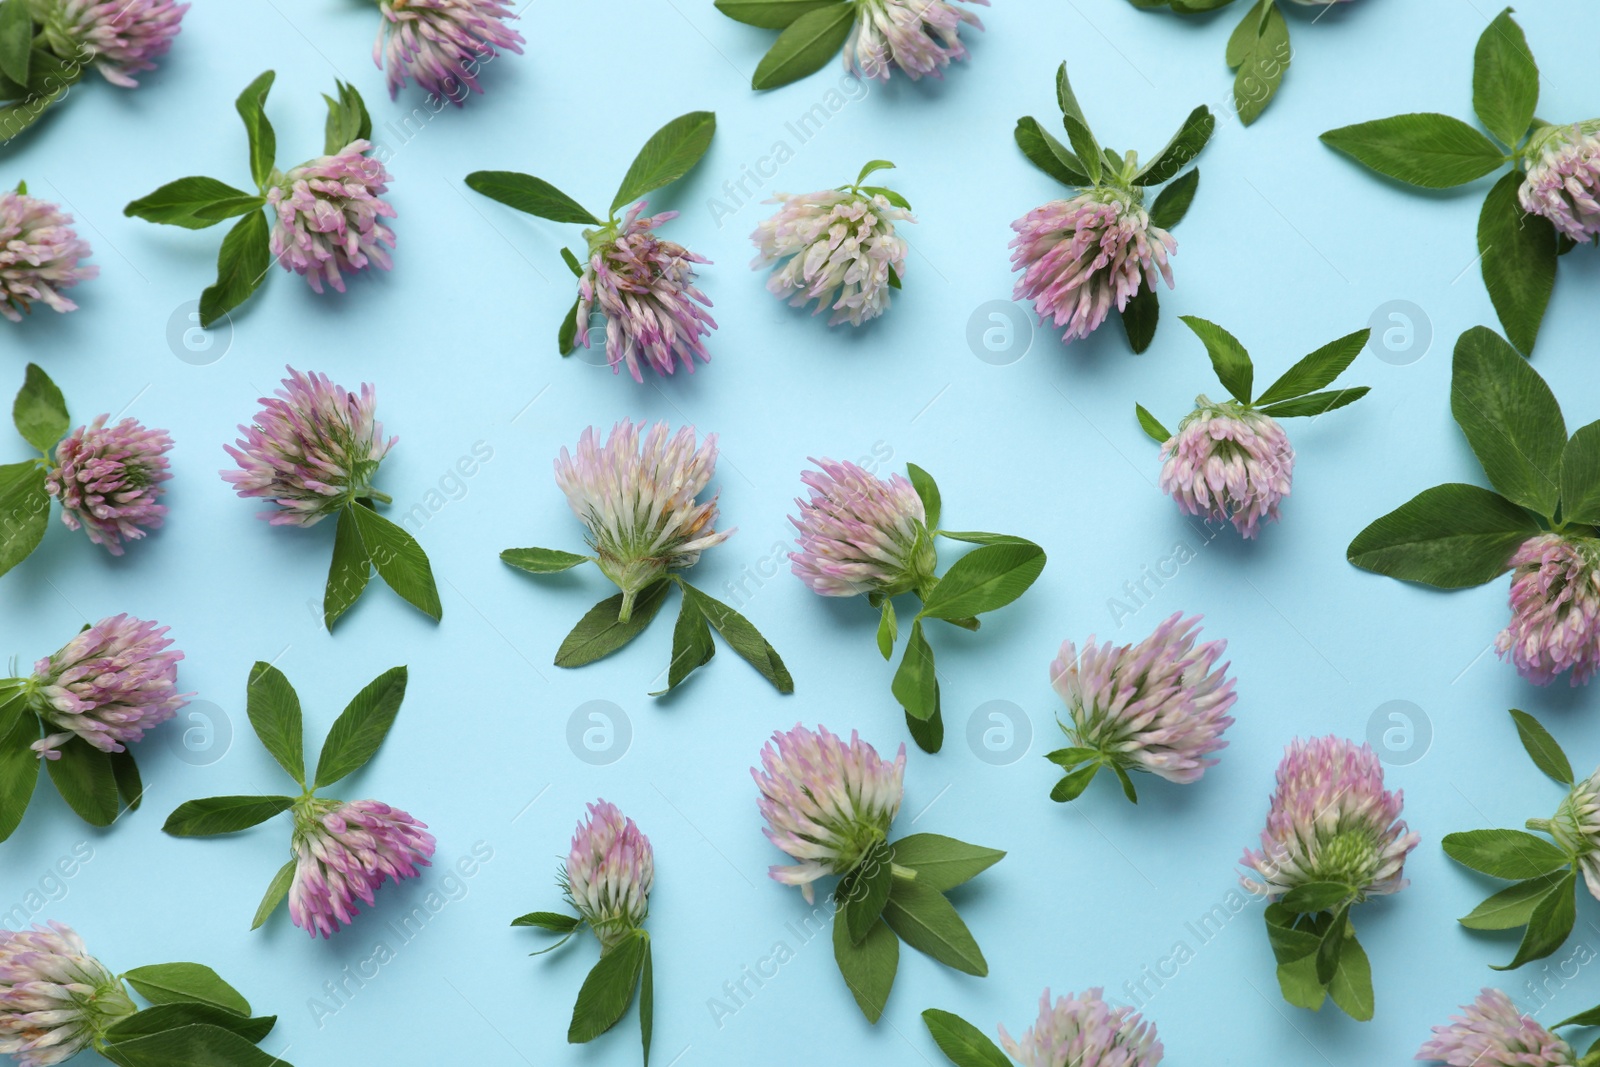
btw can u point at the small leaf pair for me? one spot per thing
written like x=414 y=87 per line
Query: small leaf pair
x=1258 y=50
x=1231 y=461
x=613 y=623
x=1298 y=392
x=1316 y=949
x=608 y=989
x=195 y=1017
x=1544 y=874
x=669 y=154
x=986 y=579
x=897 y=893
x=275 y=715
x=98 y=786
x=813 y=33
x=196 y=203
x=364 y=542
x=1088 y=166
x=1456 y=535
x=1517 y=249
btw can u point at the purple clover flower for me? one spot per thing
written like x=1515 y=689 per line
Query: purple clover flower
x=1490 y=1032
x=40 y=255
x=1085 y=1031
x=108 y=480
x=344 y=852
x=637 y=495
x=328 y=216
x=645 y=288
x=840 y=249
x=609 y=873
x=108 y=685
x=311 y=449
x=1228 y=463
x=121 y=37
x=55 y=999
x=1084 y=256
x=442 y=43
x=1563 y=180
x=1158 y=706
x=827 y=802
x=1331 y=820
x=860 y=533
x=1555 y=609
x=920 y=37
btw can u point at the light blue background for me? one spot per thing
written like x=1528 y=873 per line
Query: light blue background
x=1288 y=245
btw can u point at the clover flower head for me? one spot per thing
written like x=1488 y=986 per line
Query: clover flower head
x=1490 y=1032
x=1576 y=828
x=1085 y=1031
x=609 y=873
x=311 y=449
x=328 y=216
x=1083 y=256
x=1159 y=706
x=637 y=495
x=108 y=480
x=121 y=37
x=343 y=852
x=1563 y=180
x=917 y=36
x=1555 y=609
x=442 y=43
x=860 y=533
x=827 y=802
x=644 y=286
x=40 y=255
x=108 y=685
x=1331 y=820
x=1228 y=463
x=55 y=998
x=841 y=250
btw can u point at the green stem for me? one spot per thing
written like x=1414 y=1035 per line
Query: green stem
x=905 y=874
x=625 y=612
x=1538 y=825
